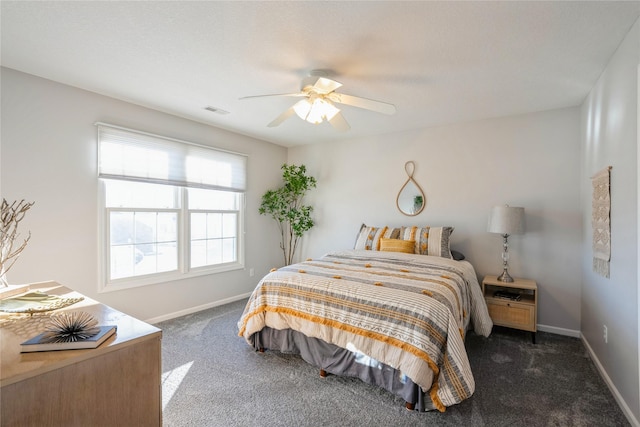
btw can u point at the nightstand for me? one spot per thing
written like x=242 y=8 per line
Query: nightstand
x=519 y=311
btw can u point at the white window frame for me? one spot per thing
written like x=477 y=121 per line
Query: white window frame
x=184 y=270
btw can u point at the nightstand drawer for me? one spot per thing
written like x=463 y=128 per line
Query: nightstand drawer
x=512 y=314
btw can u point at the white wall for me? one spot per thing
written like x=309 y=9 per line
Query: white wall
x=609 y=138
x=465 y=169
x=49 y=156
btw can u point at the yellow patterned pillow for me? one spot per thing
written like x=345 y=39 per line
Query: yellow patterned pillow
x=429 y=240
x=369 y=237
x=397 y=245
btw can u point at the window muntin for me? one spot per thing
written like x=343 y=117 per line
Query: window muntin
x=142 y=243
x=213 y=238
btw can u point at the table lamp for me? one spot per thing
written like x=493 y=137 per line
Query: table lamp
x=506 y=220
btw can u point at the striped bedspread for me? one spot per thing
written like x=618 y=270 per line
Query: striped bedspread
x=408 y=311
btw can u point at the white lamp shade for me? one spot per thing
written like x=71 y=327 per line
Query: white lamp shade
x=302 y=108
x=506 y=220
x=315 y=110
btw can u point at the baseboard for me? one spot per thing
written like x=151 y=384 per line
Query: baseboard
x=616 y=394
x=196 y=309
x=559 y=331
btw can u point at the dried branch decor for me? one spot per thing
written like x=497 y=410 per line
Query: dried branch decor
x=10 y=217
x=71 y=327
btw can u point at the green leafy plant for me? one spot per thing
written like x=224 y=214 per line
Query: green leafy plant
x=417 y=203
x=285 y=206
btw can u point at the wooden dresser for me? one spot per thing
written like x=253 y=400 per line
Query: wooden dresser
x=116 y=384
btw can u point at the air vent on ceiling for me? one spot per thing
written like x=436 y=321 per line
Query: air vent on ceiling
x=216 y=110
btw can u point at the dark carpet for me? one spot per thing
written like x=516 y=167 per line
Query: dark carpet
x=213 y=378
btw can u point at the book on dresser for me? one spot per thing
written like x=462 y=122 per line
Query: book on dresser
x=40 y=343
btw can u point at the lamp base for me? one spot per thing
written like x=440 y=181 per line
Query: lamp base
x=505 y=277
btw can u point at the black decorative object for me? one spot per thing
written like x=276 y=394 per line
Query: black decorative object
x=71 y=327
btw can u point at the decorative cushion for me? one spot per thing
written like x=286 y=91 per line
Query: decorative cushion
x=369 y=237
x=429 y=240
x=397 y=245
x=458 y=256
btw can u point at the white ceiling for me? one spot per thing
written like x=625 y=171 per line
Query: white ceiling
x=438 y=62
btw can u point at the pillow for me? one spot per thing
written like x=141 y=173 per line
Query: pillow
x=397 y=245
x=429 y=240
x=458 y=256
x=369 y=237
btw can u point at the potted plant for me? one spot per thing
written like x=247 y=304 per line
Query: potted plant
x=285 y=206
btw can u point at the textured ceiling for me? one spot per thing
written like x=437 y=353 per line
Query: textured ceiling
x=438 y=62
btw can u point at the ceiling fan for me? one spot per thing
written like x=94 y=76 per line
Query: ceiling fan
x=320 y=97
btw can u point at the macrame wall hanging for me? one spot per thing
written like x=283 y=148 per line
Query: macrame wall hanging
x=601 y=221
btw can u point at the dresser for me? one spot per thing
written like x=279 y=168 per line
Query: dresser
x=116 y=384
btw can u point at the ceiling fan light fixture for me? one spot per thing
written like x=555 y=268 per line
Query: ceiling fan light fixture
x=302 y=108
x=315 y=111
x=315 y=115
x=328 y=109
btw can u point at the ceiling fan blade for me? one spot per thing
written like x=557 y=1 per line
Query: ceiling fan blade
x=339 y=123
x=367 y=104
x=298 y=94
x=324 y=85
x=282 y=117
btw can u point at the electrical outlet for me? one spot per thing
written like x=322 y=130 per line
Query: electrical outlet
x=606 y=338
x=251 y=272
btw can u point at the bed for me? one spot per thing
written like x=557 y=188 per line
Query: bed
x=391 y=318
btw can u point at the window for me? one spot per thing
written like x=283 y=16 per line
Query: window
x=169 y=209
